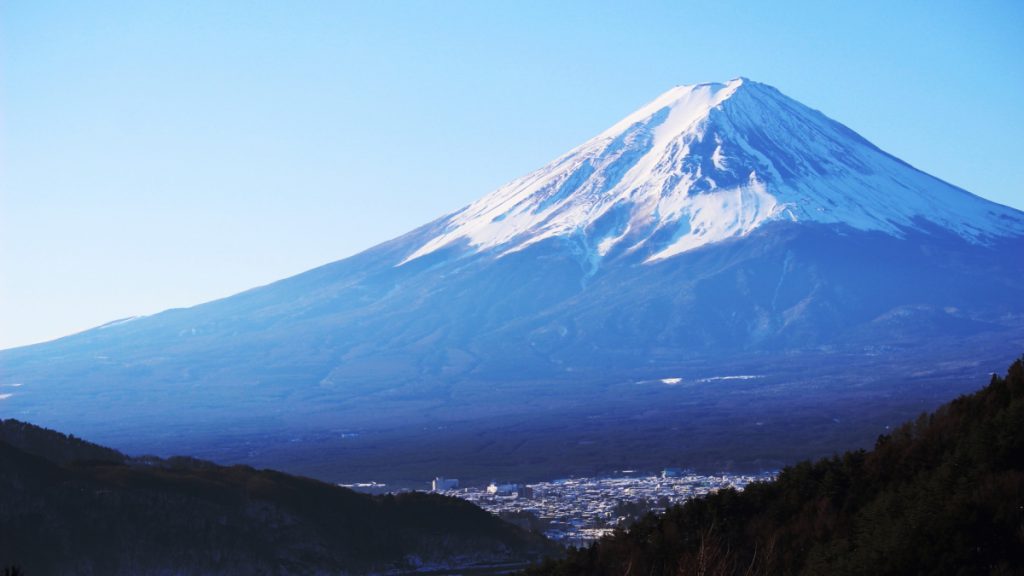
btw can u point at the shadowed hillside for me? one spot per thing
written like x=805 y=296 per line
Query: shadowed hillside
x=941 y=495
x=70 y=507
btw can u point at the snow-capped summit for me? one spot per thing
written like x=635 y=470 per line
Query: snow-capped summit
x=706 y=162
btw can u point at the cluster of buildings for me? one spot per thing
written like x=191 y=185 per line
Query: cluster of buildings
x=577 y=511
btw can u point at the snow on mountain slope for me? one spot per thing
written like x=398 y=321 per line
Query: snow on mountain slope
x=708 y=162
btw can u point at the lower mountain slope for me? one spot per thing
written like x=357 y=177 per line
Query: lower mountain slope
x=545 y=357
x=70 y=507
x=943 y=494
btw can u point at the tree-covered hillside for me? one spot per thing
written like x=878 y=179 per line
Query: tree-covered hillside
x=941 y=495
x=71 y=507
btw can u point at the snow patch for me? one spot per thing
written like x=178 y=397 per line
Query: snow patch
x=118 y=322
x=740 y=377
x=718 y=158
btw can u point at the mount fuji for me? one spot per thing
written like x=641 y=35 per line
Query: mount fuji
x=724 y=278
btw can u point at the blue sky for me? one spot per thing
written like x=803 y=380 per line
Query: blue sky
x=156 y=155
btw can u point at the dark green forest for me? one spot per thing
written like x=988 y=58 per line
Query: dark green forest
x=71 y=507
x=943 y=494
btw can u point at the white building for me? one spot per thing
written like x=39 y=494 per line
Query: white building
x=502 y=489
x=671 y=473
x=440 y=484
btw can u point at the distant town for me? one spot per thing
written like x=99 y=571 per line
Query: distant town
x=577 y=511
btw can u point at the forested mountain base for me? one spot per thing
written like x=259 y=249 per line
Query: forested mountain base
x=941 y=495
x=71 y=507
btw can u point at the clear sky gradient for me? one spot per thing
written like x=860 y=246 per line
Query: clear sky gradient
x=162 y=154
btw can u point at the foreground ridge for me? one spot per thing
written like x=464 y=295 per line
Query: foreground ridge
x=72 y=507
x=941 y=494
